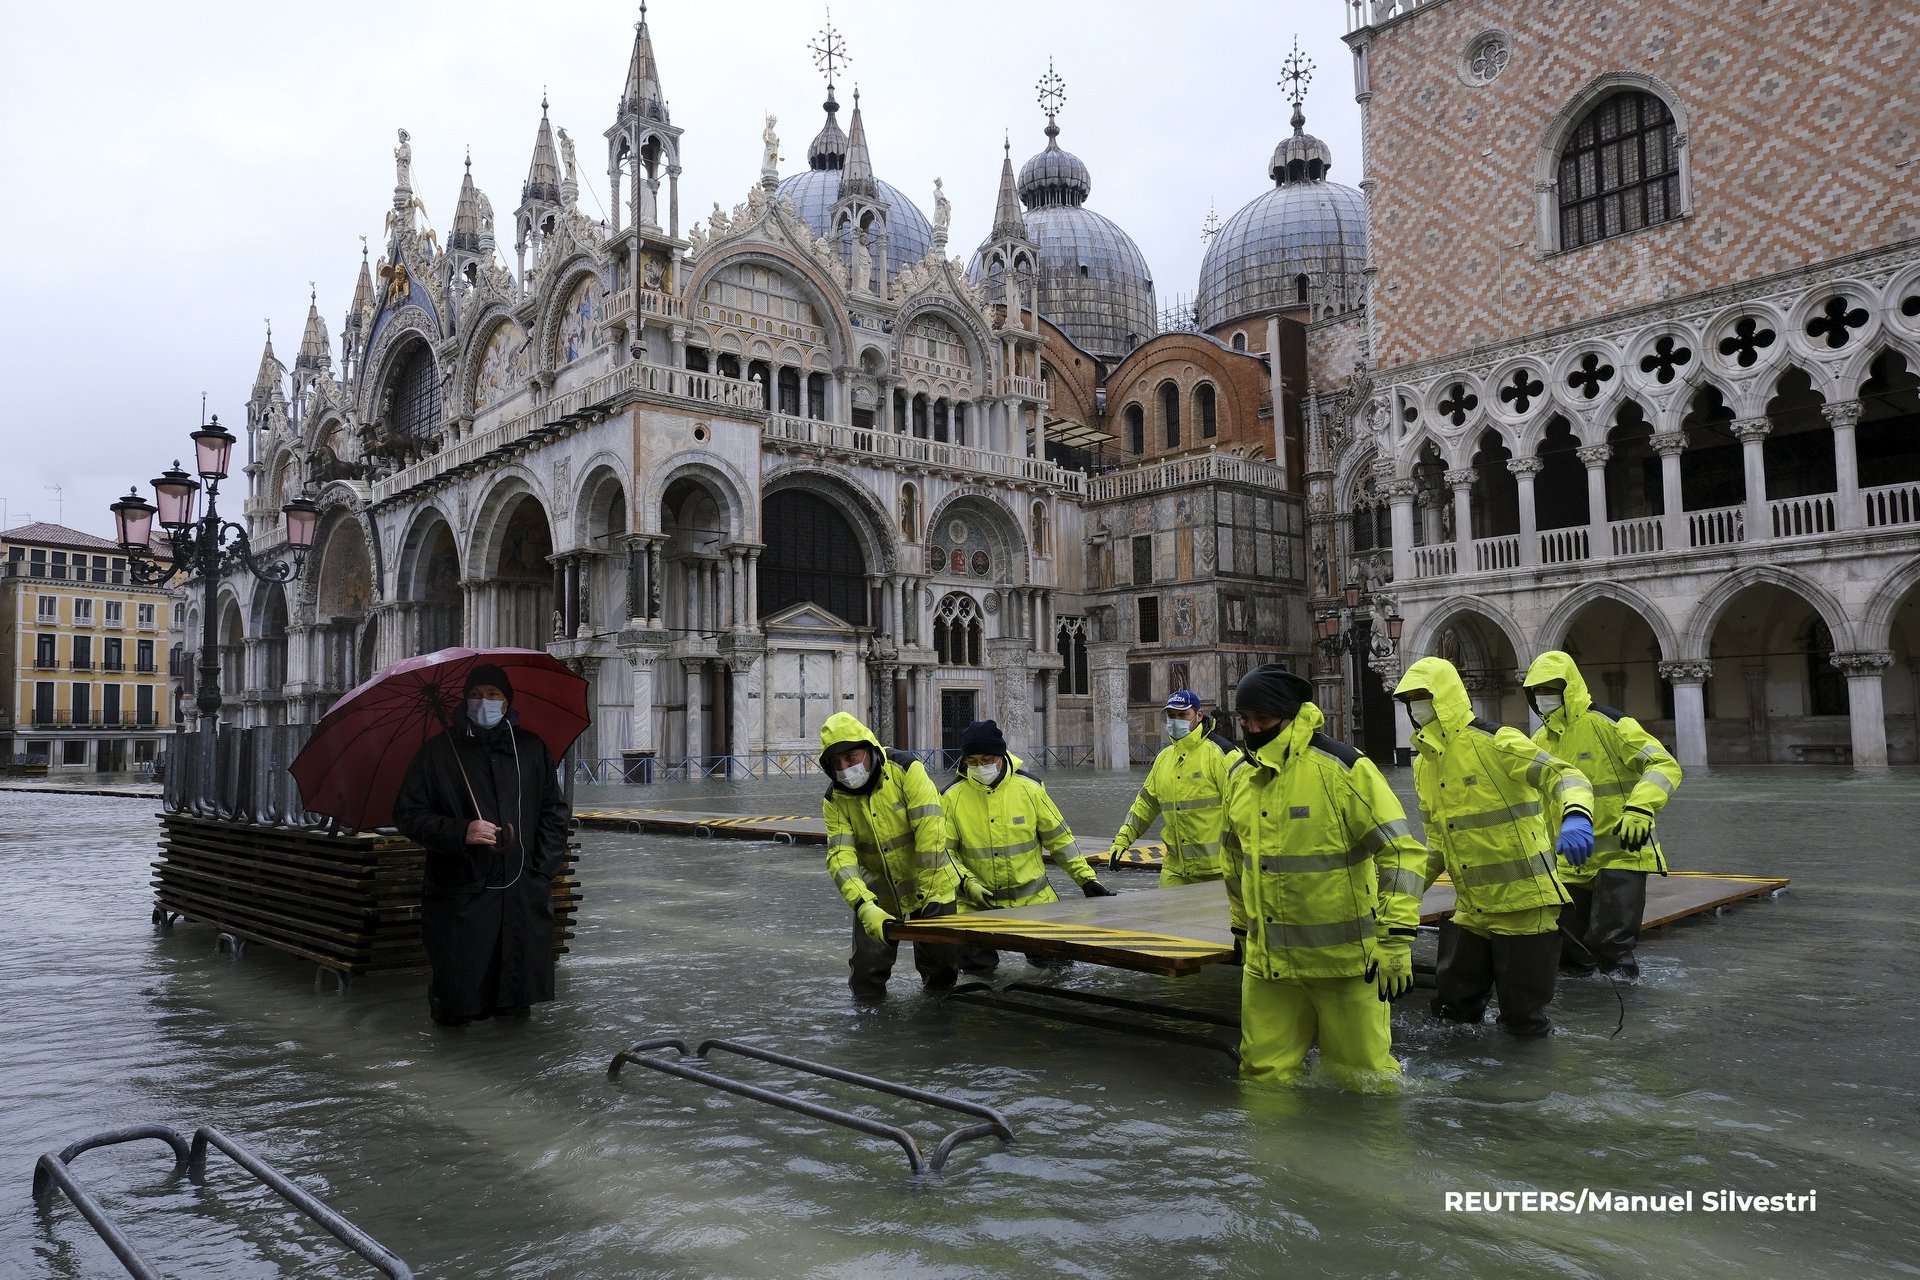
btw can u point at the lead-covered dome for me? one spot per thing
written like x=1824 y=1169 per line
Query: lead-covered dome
x=1092 y=279
x=1304 y=240
x=830 y=157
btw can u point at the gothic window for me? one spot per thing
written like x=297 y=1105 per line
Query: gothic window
x=1826 y=685
x=416 y=394
x=1170 y=413
x=1205 y=408
x=1070 y=642
x=958 y=630
x=816 y=558
x=1619 y=170
x=1136 y=430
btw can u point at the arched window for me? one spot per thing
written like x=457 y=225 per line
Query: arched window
x=909 y=513
x=958 y=630
x=1038 y=529
x=1070 y=642
x=816 y=557
x=789 y=389
x=1206 y=410
x=415 y=408
x=1170 y=413
x=1240 y=342
x=1300 y=284
x=1136 y=430
x=1619 y=169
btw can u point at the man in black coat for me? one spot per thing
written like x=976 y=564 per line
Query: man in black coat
x=483 y=799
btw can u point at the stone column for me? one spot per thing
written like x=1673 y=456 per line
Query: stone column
x=1866 y=704
x=1848 y=511
x=752 y=597
x=741 y=667
x=1524 y=470
x=654 y=619
x=1107 y=670
x=1753 y=437
x=737 y=567
x=695 y=669
x=1399 y=494
x=882 y=674
x=1008 y=657
x=636 y=579
x=1461 y=482
x=1673 y=523
x=640 y=725
x=1594 y=457
x=1689 y=710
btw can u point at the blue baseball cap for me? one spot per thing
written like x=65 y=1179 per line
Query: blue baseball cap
x=1182 y=700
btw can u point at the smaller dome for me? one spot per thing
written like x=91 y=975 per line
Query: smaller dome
x=1301 y=157
x=828 y=150
x=1054 y=178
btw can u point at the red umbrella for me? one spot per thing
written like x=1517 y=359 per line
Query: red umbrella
x=353 y=765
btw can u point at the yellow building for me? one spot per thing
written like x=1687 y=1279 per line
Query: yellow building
x=83 y=654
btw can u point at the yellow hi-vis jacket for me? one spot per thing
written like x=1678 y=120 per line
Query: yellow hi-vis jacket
x=998 y=833
x=1626 y=765
x=1321 y=861
x=1481 y=788
x=1185 y=784
x=887 y=842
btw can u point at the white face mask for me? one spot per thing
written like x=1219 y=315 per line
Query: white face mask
x=1549 y=703
x=853 y=777
x=1421 y=710
x=984 y=774
x=1178 y=729
x=485 y=712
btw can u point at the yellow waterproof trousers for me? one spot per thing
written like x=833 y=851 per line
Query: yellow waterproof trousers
x=1280 y=1019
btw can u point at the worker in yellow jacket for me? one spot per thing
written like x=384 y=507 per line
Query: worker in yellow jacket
x=1324 y=878
x=1633 y=777
x=1483 y=788
x=999 y=820
x=1184 y=785
x=886 y=852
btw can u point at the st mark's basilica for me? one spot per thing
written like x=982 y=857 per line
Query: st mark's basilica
x=1612 y=347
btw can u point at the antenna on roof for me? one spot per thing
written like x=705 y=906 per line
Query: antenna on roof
x=59 y=504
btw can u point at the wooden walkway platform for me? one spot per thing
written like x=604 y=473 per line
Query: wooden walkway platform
x=1180 y=930
x=801 y=828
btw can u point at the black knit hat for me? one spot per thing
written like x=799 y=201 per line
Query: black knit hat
x=982 y=738
x=1272 y=690
x=488 y=673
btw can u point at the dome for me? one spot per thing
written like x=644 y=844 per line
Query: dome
x=1306 y=226
x=909 y=234
x=1093 y=280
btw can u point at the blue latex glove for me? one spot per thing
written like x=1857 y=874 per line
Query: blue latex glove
x=1576 y=838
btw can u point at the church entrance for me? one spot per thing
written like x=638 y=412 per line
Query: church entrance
x=957 y=711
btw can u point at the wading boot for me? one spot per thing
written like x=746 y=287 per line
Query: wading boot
x=1463 y=975
x=1576 y=961
x=1524 y=970
x=1619 y=904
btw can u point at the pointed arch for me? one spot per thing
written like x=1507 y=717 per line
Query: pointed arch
x=1426 y=631
x=1875 y=630
x=1555 y=630
x=1697 y=635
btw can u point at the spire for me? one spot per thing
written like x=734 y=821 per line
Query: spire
x=543 y=174
x=859 y=178
x=643 y=95
x=1054 y=178
x=362 y=308
x=466 y=215
x=267 y=384
x=1301 y=157
x=315 y=352
x=1007 y=222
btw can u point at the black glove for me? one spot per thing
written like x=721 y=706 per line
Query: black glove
x=1239 y=946
x=1094 y=889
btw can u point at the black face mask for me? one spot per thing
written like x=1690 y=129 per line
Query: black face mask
x=1255 y=741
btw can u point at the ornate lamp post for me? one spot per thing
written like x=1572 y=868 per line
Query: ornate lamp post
x=205 y=546
x=1377 y=642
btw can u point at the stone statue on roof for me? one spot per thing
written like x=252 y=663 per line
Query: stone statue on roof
x=566 y=156
x=403 y=163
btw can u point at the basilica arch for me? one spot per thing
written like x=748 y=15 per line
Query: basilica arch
x=427 y=588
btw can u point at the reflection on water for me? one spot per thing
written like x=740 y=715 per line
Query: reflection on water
x=1769 y=1050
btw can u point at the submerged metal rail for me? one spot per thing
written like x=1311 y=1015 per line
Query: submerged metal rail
x=190 y=1157
x=986 y=993
x=992 y=1122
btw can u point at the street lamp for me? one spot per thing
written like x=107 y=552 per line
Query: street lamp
x=1356 y=628
x=203 y=545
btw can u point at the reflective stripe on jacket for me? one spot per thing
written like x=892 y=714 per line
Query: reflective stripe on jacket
x=1185 y=785
x=888 y=841
x=1484 y=791
x=1626 y=765
x=999 y=833
x=1320 y=858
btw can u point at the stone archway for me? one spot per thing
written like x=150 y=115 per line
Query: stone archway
x=430 y=604
x=343 y=597
x=1775 y=696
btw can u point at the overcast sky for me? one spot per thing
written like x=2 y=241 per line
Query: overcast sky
x=177 y=173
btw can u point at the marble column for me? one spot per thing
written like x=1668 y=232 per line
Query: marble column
x=1594 y=457
x=1866 y=703
x=1461 y=482
x=742 y=669
x=1848 y=511
x=640 y=723
x=1107 y=661
x=654 y=619
x=1673 y=523
x=695 y=670
x=1399 y=494
x=1689 y=680
x=1753 y=439
x=1524 y=470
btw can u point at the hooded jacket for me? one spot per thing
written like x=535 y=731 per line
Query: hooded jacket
x=1320 y=858
x=998 y=833
x=887 y=842
x=1626 y=765
x=1483 y=789
x=1186 y=783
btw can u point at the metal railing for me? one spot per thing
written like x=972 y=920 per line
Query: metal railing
x=52 y=1172
x=993 y=1124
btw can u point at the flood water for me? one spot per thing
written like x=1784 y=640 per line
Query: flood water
x=1769 y=1050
